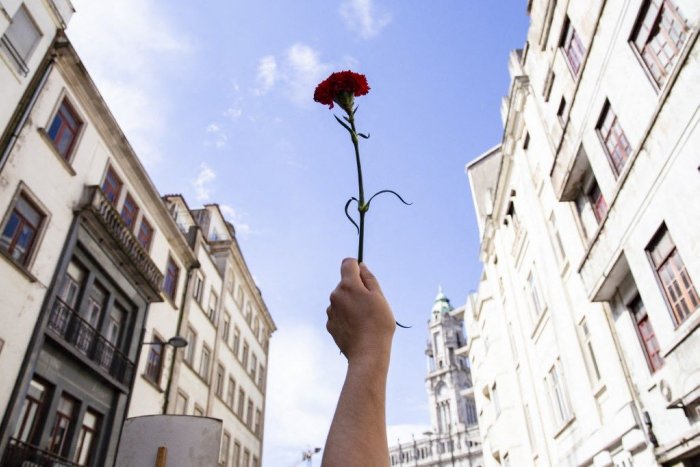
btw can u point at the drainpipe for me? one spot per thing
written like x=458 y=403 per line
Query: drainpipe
x=180 y=318
x=28 y=100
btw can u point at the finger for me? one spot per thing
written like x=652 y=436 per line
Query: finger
x=368 y=279
x=350 y=271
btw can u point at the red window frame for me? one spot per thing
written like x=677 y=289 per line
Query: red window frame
x=64 y=129
x=615 y=143
x=679 y=290
x=20 y=230
x=170 y=280
x=112 y=186
x=646 y=334
x=145 y=234
x=62 y=428
x=572 y=47
x=130 y=211
x=658 y=36
x=598 y=204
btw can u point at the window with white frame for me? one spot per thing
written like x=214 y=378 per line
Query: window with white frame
x=213 y=303
x=20 y=39
x=205 y=362
x=589 y=352
x=533 y=291
x=558 y=395
x=191 y=345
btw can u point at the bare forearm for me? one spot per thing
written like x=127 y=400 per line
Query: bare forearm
x=358 y=433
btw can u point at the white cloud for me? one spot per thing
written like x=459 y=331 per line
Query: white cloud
x=303 y=389
x=219 y=138
x=125 y=50
x=267 y=74
x=236 y=217
x=305 y=70
x=362 y=17
x=202 y=183
x=234 y=111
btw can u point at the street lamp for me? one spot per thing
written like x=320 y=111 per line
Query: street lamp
x=306 y=455
x=177 y=342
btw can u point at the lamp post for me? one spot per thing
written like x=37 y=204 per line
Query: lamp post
x=306 y=455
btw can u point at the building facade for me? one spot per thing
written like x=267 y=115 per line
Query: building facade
x=454 y=437
x=583 y=330
x=99 y=272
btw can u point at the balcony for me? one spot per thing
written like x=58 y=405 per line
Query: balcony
x=122 y=243
x=20 y=454
x=76 y=332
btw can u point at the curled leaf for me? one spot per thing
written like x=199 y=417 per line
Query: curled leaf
x=389 y=191
x=347 y=205
x=402 y=326
x=365 y=136
x=344 y=124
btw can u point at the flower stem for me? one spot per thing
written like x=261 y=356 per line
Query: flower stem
x=361 y=198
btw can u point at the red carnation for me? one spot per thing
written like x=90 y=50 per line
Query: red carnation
x=341 y=87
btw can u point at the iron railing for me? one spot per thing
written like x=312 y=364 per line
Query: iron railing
x=21 y=454
x=77 y=332
x=110 y=219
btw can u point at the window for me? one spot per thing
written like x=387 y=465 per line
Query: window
x=236 y=458
x=236 y=340
x=548 y=84
x=261 y=376
x=589 y=353
x=225 y=331
x=557 y=394
x=533 y=292
x=255 y=462
x=170 y=280
x=586 y=194
x=249 y=414
x=191 y=345
x=198 y=288
x=646 y=334
x=597 y=202
x=244 y=358
x=205 y=362
x=59 y=442
x=30 y=418
x=659 y=36
x=21 y=229
x=561 y=111
x=145 y=234
x=239 y=296
x=112 y=186
x=115 y=323
x=64 y=129
x=258 y=422
x=213 y=302
x=256 y=327
x=219 y=380
x=130 y=211
x=87 y=438
x=241 y=403
x=20 y=39
x=556 y=239
x=230 y=280
x=496 y=401
x=248 y=313
x=572 y=47
x=253 y=366
x=613 y=138
x=198 y=411
x=181 y=403
x=676 y=283
x=154 y=362
x=246 y=458
x=225 y=445
x=230 y=392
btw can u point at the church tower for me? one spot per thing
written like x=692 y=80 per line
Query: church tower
x=448 y=380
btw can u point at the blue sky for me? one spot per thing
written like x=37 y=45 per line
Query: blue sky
x=216 y=98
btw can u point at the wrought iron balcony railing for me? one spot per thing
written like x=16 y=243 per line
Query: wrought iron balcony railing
x=98 y=204
x=21 y=454
x=77 y=332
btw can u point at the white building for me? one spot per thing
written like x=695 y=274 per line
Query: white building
x=583 y=339
x=98 y=274
x=454 y=437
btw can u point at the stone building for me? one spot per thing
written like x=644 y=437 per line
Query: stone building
x=583 y=331
x=99 y=273
x=454 y=437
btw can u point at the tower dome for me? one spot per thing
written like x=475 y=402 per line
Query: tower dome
x=441 y=304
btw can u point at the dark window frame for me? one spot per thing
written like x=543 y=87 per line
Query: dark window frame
x=65 y=119
x=29 y=252
x=111 y=190
x=572 y=47
x=613 y=136
x=153 y=371
x=170 y=278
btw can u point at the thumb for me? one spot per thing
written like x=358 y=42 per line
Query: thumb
x=368 y=279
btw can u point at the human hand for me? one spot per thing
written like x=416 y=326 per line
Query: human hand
x=359 y=317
